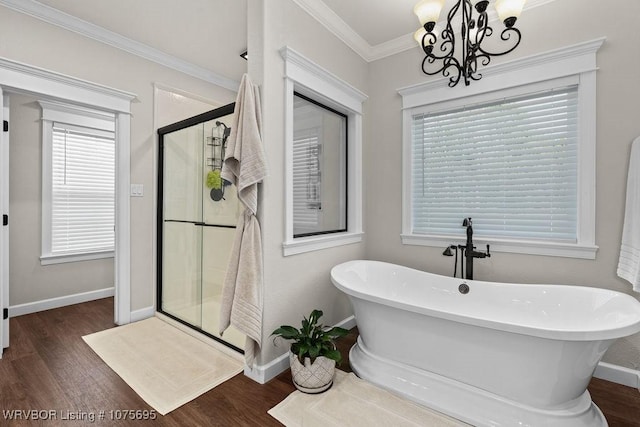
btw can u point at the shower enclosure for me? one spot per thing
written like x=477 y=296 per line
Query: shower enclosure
x=197 y=215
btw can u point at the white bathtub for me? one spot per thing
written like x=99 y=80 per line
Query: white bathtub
x=500 y=355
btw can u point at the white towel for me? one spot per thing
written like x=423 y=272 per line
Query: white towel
x=242 y=288
x=629 y=262
x=244 y=161
x=244 y=165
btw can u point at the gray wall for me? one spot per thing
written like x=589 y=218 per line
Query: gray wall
x=294 y=285
x=554 y=25
x=29 y=40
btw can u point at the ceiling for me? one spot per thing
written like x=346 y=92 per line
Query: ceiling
x=377 y=21
x=378 y=28
x=208 y=33
x=212 y=33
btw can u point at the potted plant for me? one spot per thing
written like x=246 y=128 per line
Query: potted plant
x=313 y=355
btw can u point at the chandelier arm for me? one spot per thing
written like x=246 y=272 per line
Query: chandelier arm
x=454 y=10
x=483 y=28
x=505 y=36
x=447 y=62
x=482 y=58
x=428 y=40
x=450 y=67
x=475 y=75
x=430 y=60
x=448 y=35
x=443 y=47
x=453 y=80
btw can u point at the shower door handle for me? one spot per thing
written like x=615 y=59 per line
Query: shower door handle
x=204 y=224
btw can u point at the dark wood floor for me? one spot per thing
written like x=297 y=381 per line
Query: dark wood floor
x=49 y=367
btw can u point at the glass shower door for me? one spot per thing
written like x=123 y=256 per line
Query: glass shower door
x=197 y=215
x=182 y=237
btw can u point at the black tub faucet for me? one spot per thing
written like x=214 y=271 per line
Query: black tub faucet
x=469 y=250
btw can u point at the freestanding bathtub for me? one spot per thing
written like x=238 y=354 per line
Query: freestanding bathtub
x=498 y=355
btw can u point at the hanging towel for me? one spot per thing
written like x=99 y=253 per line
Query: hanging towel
x=629 y=263
x=244 y=166
x=244 y=161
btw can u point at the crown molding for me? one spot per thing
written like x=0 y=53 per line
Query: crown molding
x=71 y=23
x=392 y=47
x=336 y=25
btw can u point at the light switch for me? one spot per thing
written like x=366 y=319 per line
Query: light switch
x=137 y=190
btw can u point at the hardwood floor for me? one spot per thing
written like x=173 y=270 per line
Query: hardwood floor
x=49 y=368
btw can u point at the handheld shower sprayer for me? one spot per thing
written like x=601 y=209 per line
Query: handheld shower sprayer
x=226 y=132
x=448 y=252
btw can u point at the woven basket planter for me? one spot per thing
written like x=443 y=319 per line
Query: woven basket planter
x=312 y=378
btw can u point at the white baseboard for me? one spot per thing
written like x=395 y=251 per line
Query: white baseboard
x=618 y=374
x=48 y=304
x=265 y=373
x=348 y=323
x=143 y=313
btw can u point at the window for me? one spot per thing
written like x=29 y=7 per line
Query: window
x=510 y=164
x=319 y=168
x=78 y=209
x=517 y=155
x=323 y=155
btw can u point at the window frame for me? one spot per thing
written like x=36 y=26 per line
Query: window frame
x=312 y=81
x=76 y=116
x=575 y=63
x=345 y=189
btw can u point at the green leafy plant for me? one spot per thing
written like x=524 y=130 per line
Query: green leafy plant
x=312 y=339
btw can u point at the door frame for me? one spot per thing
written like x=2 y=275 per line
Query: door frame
x=207 y=116
x=17 y=77
x=4 y=230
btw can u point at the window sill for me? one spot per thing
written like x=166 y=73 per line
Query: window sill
x=315 y=243
x=568 y=250
x=61 y=259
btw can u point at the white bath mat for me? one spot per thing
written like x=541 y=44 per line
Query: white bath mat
x=352 y=402
x=165 y=366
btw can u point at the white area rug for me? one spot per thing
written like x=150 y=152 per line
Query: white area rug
x=164 y=365
x=355 y=402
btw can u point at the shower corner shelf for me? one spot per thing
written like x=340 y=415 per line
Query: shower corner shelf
x=214 y=141
x=214 y=163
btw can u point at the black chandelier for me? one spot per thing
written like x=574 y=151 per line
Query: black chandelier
x=475 y=32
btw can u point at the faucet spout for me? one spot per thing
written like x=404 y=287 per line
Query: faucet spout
x=469 y=250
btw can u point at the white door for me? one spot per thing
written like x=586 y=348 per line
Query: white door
x=4 y=229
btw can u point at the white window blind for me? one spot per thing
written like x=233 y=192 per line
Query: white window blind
x=511 y=165
x=83 y=190
x=306 y=183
